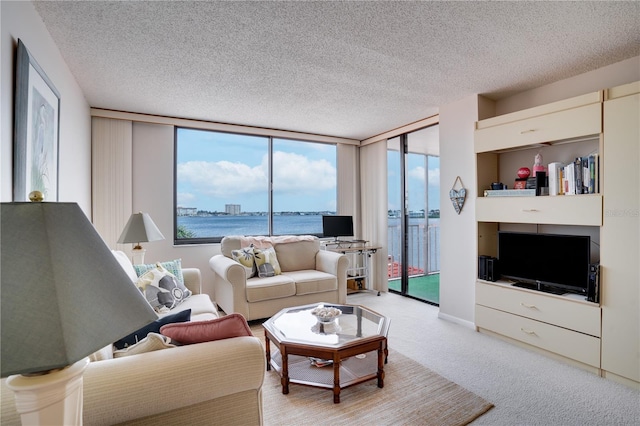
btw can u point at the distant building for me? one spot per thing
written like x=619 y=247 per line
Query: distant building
x=186 y=211
x=232 y=209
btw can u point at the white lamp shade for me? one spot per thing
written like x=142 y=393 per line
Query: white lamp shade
x=140 y=229
x=64 y=295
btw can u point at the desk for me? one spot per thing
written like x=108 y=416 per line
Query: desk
x=359 y=252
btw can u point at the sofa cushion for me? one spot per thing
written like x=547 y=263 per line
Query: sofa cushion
x=154 y=327
x=173 y=266
x=298 y=255
x=125 y=262
x=245 y=257
x=232 y=325
x=153 y=342
x=275 y=287
x=198 y=304
x=266 y=262
x=312 y=281
x=162 y=289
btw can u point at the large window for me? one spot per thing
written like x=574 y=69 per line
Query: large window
x=236 y=184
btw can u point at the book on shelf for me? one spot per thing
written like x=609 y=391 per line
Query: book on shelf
x=555 y=177
x=578 y=177
x=510 y=193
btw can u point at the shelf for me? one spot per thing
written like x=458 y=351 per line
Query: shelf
x=585 y=209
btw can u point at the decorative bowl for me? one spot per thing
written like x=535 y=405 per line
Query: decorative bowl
x=326 y=314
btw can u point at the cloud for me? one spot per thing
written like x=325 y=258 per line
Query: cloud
x=185 y=199
x=294 y=173
x=418 y=173
x=222 y=178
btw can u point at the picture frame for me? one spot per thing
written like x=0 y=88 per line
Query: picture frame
x=36 y=130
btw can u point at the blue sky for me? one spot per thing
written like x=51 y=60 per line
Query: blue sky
x=216 y=168
x=416 y=181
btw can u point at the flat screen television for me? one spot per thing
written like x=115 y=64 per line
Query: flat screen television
x=547 y=262
x=337 y=226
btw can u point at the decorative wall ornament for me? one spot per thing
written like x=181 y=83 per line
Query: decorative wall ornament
x=37 y=118
x=458 y=195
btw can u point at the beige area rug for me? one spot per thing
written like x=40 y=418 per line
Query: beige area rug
x=412 y=395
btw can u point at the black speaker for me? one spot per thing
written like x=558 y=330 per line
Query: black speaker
x=488 y=268
x=482 y=267
x=492 y=269
x=593 y=286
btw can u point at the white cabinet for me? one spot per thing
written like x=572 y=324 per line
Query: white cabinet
x=561 y=131
x=604 y=338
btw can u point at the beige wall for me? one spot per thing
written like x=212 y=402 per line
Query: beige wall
x=20 y=20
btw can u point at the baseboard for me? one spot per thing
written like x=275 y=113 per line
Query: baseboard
x=451 y=318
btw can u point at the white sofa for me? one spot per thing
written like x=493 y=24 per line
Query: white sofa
x=309 y=275
x=218 y=382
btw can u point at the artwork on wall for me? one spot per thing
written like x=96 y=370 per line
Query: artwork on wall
x=36 y=131
x=458 y=196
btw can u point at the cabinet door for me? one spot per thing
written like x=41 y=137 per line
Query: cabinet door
x=582 y=121
x=620 y=238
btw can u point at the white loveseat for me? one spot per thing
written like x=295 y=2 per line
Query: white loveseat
x=308 y=275
x=217 y=382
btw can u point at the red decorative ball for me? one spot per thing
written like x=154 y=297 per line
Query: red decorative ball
x=523 y=172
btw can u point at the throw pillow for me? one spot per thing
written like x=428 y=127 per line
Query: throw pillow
x=154 y=327
x=173 y=266
x=153 y=342
x=244 y=257
x=266 y=262
x=125 y=262
x=232 y=325
x=162 y=289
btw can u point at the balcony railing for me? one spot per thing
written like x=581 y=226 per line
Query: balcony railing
x=424 y=249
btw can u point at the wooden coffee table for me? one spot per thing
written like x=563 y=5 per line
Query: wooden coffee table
x=352 y=348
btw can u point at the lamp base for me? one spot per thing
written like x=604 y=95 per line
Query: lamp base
x=137 y=255
x=50 y=399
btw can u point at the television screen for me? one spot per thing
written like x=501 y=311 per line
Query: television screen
x=559 y=261
x=337 y=226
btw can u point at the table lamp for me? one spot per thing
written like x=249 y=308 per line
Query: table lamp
x=139 y=229
x=64 y=296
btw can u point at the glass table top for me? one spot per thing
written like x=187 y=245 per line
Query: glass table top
x=299 y=325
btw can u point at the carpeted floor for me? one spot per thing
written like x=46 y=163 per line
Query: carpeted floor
x=412 y=395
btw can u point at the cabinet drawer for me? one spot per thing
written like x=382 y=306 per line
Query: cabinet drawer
x=577 y=346
x=572 y=123
x=562 y=209
x=556 y=310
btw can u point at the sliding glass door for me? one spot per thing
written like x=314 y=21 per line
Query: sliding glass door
x=414 y=214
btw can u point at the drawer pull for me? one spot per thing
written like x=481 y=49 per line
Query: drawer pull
x=527 y=131
x=529 y=332
x=528 y=306
x=530 y=210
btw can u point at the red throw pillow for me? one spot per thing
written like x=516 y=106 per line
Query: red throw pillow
x=232 y=325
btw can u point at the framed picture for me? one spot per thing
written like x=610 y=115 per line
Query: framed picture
x=36 y=131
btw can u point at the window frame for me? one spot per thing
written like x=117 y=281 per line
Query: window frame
x=270 y=140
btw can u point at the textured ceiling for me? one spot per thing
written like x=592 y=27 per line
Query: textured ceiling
x=349 y=69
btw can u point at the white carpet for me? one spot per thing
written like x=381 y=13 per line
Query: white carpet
x=526 y=388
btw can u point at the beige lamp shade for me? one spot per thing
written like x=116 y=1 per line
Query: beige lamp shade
x=140 y=229
x=64 y=295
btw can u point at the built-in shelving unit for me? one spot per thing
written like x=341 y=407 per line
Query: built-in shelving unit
x=602 y=337
x=561 y=131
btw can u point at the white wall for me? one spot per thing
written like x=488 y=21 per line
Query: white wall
x=457 y=231
x=20 y=20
